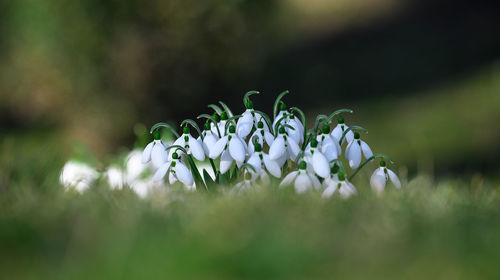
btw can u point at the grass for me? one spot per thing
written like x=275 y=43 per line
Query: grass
x=446 y=231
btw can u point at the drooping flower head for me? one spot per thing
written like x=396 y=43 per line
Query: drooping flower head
x=301 y=179
x=354 y=150
x=190 y=144
x=344 y=187
x=231 y=148
x=155 y=151
x=339 y=130
x=380 y=177
x=177 y=171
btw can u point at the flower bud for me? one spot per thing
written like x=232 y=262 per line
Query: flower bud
x=232 y=129
x=325 y=129
x=260 y=124
x=175 y=156
x=185 y=130
x=356 y=135
x=249 y=104
x=341 y=177
x=156 y=135
x=314 y=143
x=334 y=169
x=207 y=126
x=258 y=147
x=248 y=176
x=223 y=116
x=281 y=130
x=282 y=106
x=382 y=163
x=340 y=120
x=302 y=165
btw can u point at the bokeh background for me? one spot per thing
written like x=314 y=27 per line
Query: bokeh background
x=422 y=76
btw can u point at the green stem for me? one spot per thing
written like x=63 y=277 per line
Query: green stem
x=277 y=102
x=354 y=127
x=338 y=112
x=368 y=160
x=193 y=124
x=267 y=119
x=246 y=97
x=165 y=125
x=229 y=112
x=212 y=163
x=211 y=118
x=215 y=108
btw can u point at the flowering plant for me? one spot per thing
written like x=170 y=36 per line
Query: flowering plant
x=258 y=149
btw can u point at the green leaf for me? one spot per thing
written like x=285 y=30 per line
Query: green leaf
x=215 y=108
x=234 y=175
x=196 y=174
x=338 y=112
x=247 y=95
x=209 y=182
x=231 y=119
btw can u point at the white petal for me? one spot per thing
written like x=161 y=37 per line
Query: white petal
x=320 y=165
x=349 y=135
x=183 y=174
x=353 y=154
x=219 y=146
x=330 y=190
x=346 y=190
x=196 y=149
x=377 y=180
x=171 y=178
x=158 y=155
x=289 y=178
x=179 y=142
x=293 y=148
x=394 y=178
x=277 y=149
x=237 y=149
x=255 y=161
x=160 y=173
x=367 y=152
x=330 y=151
x=225 y=162
x=272 y=166
x=244 y=125
x=146 y=155
x=302 y=183
x=337 y=132
x=315 y=181
x=269 y=138
x=278 y=117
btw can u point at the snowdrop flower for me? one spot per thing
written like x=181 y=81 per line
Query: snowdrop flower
x=283 y=147
x=209 y=138
x=221 y=124
x=249 y=120
x=191 y=145
x=329 y=144
x=77 y=175
x=116 y=178
x=247 y=184
x=345 y=188
x=302 y=180
x=177 y=171
x=354 y=149
x=317 y=160
x=230 y=147
x=284 y=117
x=380 y=177
x=262 y=135
x=155 y=151
x=261 y=162
x=339 y=130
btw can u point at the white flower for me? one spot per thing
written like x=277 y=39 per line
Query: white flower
x=284 y=117
x=177 y=171
x=232 y=147
x=155 y=151
x=284 y=147
x=317 y=159
x=329 y=144
x=339 y=130
x=261 y=162
x=302 y=180
x=261 y=134
x=209 y=139
x=191 y=144
x=380 y=177
x=354 y=149
x=249 y=120
x=221 y=125
x=248 y=183
x=77 y=175
x=345 y=188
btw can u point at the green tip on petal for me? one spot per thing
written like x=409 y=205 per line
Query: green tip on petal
x=232 y=129
x=258 y=147
x=302 y=165
x=223 y=116
x=314 y=143
x=340 y=120
x=249 y=104
x=334 y=169
x=382 y=163
x=356 y=135
x=325 y=129
x=185 y=130
x=341 y=177
x=175 y=156
x=260 y=124
x=282 y=106
x=156 y=135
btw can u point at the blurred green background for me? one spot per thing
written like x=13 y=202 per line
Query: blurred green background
x=86 y=78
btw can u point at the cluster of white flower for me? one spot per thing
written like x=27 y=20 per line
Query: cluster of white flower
x=313 y=159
